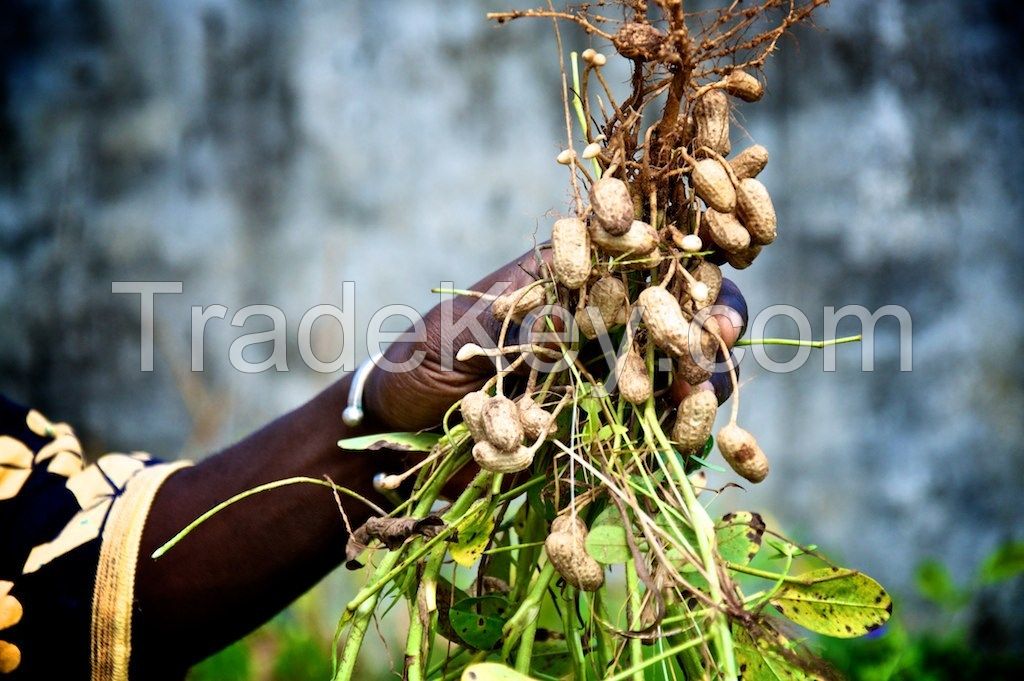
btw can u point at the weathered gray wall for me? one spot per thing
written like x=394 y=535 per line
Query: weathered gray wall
x=262 y=152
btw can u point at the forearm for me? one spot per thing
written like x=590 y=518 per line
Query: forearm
x=248 y=562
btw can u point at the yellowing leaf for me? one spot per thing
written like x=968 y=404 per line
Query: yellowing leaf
x=761 y=660
x=835 y=602
x=474 y=536
x=739 y=536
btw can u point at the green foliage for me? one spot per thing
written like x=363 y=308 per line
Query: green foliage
x=946 y=651
x=234 y=663
x=739 y=536
x=478 y=621
x=402 y=442
x=1005 y=562
x=835 y=602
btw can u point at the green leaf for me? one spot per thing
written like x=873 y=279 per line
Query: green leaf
x=478 y=621
x=400 y=442
x=610 y=430
x=739 y=536
x=762 y=660
x=474 y=536
x=835 y=602
x=1005 y=562
x=607 y=544
x=706 y=464
x=934 y=583
x=492 y=671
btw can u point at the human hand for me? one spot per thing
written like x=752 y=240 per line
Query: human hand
x=418 y=398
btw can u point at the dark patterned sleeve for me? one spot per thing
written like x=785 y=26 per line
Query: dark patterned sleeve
x=69 y=541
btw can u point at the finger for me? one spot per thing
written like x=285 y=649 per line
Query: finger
x=733 y=322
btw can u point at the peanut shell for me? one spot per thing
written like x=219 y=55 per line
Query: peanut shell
x=741 y=84
x=472 y=408
x=640 y=41
x=749 y=162
x=567 y=551
x=612 y=205
x=664 y=320
x=712 y=184
x=490 y=458
x=570 y=260
x=640 y=239
x=694 y=419
x=503 y=304
x=726 y=231
x=606 y=299
x=711 y=120
x=756 y=212
x=634 y=382
x=536 y=420
x=741 y=451
x=743 y=259
x=695 y=364
x=501 y=423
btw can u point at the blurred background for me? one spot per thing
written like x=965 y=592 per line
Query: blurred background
x=263 y=151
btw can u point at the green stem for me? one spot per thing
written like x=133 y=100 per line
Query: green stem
x=754 y=572
x=705 y=531
x=799 y=343
x=528 y=610
x=414 y=643
x=524 y=655
x=512 y=547
x=669 y=652
x=360 y=610
x=636 y=648
x=250 y=492
x=572 y=633
x=577 y=105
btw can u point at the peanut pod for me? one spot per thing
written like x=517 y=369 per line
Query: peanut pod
x=711 y=120
x=694 y=420
x=756 y=211
x=506 y=304
x=694 y=366
x=713 y=185
x=742 y=85
x=634 y=382
x=570 y=244
x=741 y=451
x=501 y=424
x=639 y=239
x=612 y=205
x=490 y=458
x=664 y=319
x=606 y=300
x=726 y=231
x=749 y=162
x=566 y=549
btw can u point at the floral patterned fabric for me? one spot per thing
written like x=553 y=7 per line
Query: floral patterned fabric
x=53 y=512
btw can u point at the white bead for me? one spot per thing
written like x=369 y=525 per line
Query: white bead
x=566 y=157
